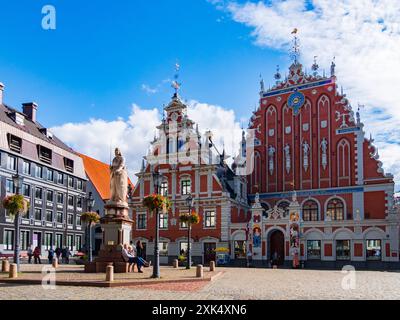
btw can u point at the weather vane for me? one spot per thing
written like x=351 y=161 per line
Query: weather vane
x=175 y=84
x=295 y=50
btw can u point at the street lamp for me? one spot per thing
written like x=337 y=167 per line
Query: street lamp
x=157 y=179
x=90 y=205
x=189 y=203
x=17 y=181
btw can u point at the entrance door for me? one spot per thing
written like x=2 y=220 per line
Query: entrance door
x=209 y=252
x=277 y=245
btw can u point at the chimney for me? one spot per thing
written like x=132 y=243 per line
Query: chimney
x=1 y=92
x=30 y=109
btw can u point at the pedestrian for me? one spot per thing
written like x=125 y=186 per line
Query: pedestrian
x=140 y=254
x=67 y=255
x=58 y=253
x=36 y=255
x=30 y=253
x=50 y=255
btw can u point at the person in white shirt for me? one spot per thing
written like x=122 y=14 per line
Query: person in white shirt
x=130 y=257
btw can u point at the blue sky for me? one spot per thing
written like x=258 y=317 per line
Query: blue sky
x=104 y=73
x=95 y=63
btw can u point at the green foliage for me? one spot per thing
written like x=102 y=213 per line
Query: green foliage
x=90 y=217
x=16 y=204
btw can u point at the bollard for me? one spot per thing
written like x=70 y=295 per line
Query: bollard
x=110 y=273
x=199 y=271
x=55 y=263
x=5 y=266
x=175 y=263
x=212 y=266
x=13 y=271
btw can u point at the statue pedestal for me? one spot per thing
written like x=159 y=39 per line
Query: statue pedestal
x=117 y=230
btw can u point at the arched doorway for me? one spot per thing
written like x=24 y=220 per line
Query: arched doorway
x=277 y=244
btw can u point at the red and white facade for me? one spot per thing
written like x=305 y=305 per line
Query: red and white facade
x=189 y=165
x=345 y=199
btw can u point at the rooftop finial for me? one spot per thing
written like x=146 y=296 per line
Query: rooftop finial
x=262 y=87
x=315 y=67
x=295 y=51
x=333 y=65
x=277 y=75
x=175 y=84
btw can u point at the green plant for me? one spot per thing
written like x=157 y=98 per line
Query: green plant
x=156 y=201
x=16 y=204
x=181 y=258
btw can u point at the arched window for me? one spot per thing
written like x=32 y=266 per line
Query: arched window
x=335 y=209
x=310 y=211
x=284 y=205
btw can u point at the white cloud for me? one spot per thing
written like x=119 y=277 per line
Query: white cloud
x=97 y=137
x=149 y=90
x=363 y=35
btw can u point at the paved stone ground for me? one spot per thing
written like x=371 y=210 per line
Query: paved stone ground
x=235 y=283
x=76 y=273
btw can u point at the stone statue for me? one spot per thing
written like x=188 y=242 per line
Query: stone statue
x=271 y=153
x=324 y=147
x=287 y=157
x=119 y=178
x=306 y=149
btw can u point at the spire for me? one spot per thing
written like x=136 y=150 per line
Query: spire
x=262 y=87
x=315 y=67
x=295 y=50
x=143 y=166
x=175 y=84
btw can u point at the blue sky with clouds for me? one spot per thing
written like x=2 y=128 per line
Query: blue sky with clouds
x=103 y=56
x=105 y=72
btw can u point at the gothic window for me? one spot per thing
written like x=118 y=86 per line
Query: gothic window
x=335 y=209
x=310 y=211
x=256 y=179
x=343 y=162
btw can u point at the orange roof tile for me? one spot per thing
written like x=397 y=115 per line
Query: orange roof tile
x=99 y=174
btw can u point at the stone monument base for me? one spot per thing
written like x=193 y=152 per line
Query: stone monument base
x=117 y=229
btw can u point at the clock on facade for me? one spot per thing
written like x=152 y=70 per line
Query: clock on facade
x=296 y=101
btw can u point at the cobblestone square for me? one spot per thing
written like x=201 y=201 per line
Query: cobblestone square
x=235 y=283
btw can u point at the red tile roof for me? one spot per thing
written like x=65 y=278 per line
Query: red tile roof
x=99 y=174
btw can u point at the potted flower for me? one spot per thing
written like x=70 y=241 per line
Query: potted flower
x=17 y=206
x=156 y=201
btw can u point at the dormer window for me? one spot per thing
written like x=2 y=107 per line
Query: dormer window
x=46 y=132
x=18 y=118
x=69 y=165
x=14 y=143
x=45 y=154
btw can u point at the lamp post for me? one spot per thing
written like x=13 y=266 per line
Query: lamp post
x=90 y=205
x=189 y=202
x=17 y=181
x=157 y=179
